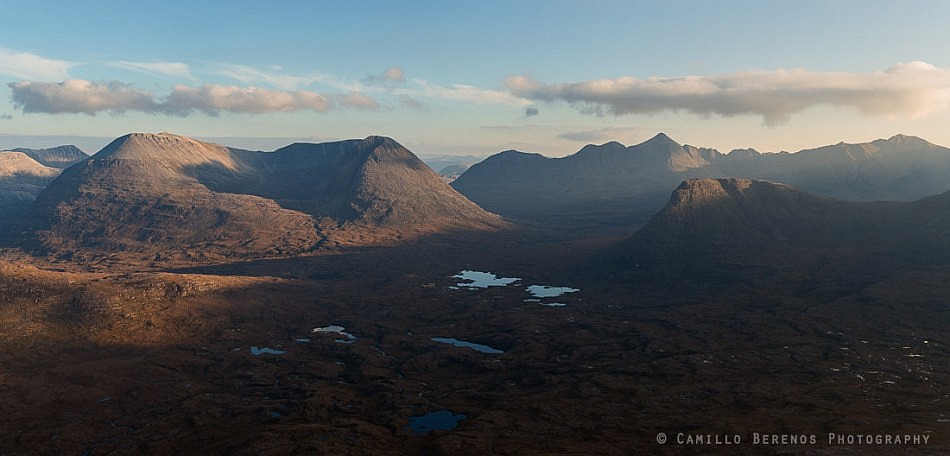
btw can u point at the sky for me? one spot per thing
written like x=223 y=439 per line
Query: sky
x=465 y=77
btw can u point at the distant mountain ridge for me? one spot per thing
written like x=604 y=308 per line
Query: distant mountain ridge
x=21 y=179
x=55 y=157
x=627 y=184
x=156 y=196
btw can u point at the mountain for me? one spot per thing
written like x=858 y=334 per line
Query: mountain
x=21 y=179
x=625 y=185
x=901 y=168
x=736 y=229
x=450 y=167
x=56 y=157
x=601 y=183
x=163 y=196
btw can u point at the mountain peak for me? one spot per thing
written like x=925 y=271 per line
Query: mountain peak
x=661 y=138
x=169 y=150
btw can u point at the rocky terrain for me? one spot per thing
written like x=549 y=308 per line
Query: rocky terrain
x=181 y=297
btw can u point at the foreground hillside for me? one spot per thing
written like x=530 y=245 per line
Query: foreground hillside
x=341 y=353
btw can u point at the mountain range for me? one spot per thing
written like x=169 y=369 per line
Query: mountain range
x=625 y=185
x=161 y=196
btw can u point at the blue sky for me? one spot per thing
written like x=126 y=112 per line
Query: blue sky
x=477 y=77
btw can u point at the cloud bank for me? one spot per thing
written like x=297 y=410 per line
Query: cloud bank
x=914 y=88
x=80 y=96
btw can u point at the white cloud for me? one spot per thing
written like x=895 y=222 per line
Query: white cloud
x=175 y=69
x=276 y=78
x=915 y=89
x=79 y=96
x=357 y=100
x=24 y=65
x=212 y=99
x=464 y=93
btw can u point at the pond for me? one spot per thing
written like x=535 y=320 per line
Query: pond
x=337 y=329
x=478 y=279
x=461 y=343
x=544 y=291
x=266 y=351
x=442 y=420
x=469 y=279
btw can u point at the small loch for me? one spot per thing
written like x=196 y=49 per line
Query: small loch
x=441 y=420
x=461 y=343
x=266 y=351
x=337 y=329
x=478 y=279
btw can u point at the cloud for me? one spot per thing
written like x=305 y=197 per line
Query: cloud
x=175 y=69
x=531 y=111
x=394 y=74
x=465 y=93
x=212 y=99
x=407 y=101
x=602 y=134
x=357 y=100
x=276 y=78
x=79 y=96
x=24 y=65
x=915 y=89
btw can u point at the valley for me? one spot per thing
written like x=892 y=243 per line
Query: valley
x=150 y=313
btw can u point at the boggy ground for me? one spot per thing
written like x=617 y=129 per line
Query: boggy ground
x=159 y=362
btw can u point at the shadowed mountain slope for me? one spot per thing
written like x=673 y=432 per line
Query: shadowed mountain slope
x=626 y=185
x=597 y=183
x=734 y=229
x=162 y=196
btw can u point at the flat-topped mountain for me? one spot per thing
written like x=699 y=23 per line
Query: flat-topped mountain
x=627 y=184
x=161 y=196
